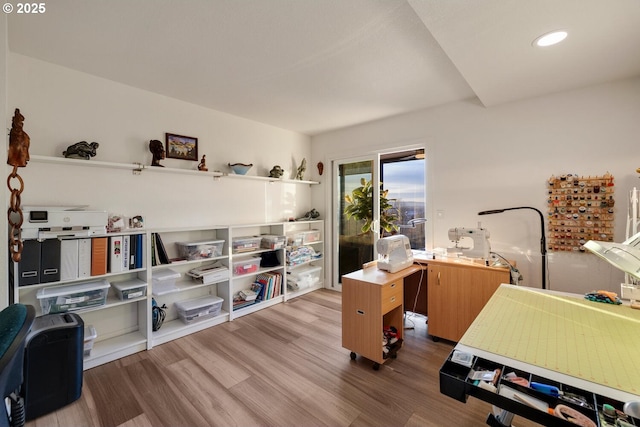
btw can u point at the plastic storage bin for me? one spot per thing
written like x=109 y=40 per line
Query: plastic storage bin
x=164 y=281
x=198 y=308
x=246 y=266
x=246 y=244
x=304 y=277
x=73 y=297
x=273 y=242
x=130 y=289
x=310 y=236
x=200 y=250
x=294 y=239
x=90 y=336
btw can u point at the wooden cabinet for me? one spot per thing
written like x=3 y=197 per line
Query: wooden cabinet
x=371 y=300
x=457 y=293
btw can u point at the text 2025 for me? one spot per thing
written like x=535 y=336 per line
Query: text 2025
x=31 y=8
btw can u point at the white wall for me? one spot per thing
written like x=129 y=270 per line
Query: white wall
x=487 y=158
x=4 y=290
x=63 y=106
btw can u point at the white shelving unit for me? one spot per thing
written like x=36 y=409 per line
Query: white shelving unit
x=122 y=325
x=243 y=264
x=125 y=327
x=187 y=288
x=312 y=235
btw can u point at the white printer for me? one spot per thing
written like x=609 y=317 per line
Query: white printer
x=47 y=222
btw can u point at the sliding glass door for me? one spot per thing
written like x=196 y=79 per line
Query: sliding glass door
x=395 y=180
x=356 y=208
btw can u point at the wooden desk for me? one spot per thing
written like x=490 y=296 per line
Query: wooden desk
x=371 y=300
x=457 y=291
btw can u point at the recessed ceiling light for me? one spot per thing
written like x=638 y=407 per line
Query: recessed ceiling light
x=550 y=38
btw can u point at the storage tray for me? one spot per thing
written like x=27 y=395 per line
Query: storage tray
x=61 y=299
x=200 y=250
x=273 y=242
x=199 y=308
x=304 y=277
x=456 y=382
x=246 y=244
x=246 y=266
x=130 y=289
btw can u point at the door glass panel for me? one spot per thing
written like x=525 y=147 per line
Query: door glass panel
x=355 y=239
x=403 y=176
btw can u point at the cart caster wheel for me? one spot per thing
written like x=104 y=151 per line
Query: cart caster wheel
x=353 y=356
x=376 y=366
x=435 y=339
x=394 y=356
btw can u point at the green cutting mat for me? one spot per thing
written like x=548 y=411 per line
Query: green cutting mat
x=593 y=341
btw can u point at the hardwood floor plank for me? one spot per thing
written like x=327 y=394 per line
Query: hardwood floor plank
x=210 y=398
x=162 y=402
x=110 y=389
x=221 y=366
x=281 y=366
x=139 y=421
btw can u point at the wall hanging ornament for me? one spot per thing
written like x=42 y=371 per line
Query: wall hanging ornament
x=579 y=209
x=18 y=156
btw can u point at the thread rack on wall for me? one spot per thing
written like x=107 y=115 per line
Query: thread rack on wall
x=581 y=208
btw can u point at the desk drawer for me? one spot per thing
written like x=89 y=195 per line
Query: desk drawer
x=391 y=296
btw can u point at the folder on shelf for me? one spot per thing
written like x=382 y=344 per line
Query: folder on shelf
x=84 y=258
x=99 y=255
x=138 y=253
x=163 y=257
x=126 y=252
x=29 y=265
x=69 y=257
x=50 y=261
x=116 y=253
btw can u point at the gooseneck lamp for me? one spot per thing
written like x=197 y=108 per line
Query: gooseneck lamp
x=543 y=242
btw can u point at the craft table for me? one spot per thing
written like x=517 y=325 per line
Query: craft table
x=557 y=338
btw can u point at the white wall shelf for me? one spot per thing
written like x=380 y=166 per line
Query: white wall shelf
x=138 y=168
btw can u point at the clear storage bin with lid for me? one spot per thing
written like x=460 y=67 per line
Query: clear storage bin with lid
x=198 y=308
x=61 y=299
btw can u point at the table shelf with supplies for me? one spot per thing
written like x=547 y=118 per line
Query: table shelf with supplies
x=372 y=300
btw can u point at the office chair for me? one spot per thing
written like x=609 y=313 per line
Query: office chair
x=15 y=323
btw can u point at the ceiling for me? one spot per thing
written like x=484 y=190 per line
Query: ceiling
x=312 y=66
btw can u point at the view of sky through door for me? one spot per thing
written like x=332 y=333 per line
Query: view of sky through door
x=403 y=174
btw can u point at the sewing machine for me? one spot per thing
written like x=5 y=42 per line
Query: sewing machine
x=480 y=238
x=396 y=253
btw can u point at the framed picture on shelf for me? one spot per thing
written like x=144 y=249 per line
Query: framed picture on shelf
x=181 y=147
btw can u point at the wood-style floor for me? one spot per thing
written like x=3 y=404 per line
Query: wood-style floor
x=282 y=366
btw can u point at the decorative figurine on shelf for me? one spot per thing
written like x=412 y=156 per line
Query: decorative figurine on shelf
x=202 y=166
x=136 y=222
x=301 y=169
x=81 y=150
x=312 y=214
x=276 y=172
x=19 y=142
x=320 y=168
x=157 y=149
